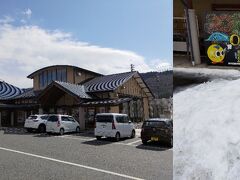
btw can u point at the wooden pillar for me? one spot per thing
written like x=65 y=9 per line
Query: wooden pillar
x=82 y=120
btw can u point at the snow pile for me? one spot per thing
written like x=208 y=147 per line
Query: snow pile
x=210 y=73
x=207 y=131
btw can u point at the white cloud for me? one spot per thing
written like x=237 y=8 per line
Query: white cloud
x=27 y=12
x=6 y=20
x=161 y=65
x=27 y=48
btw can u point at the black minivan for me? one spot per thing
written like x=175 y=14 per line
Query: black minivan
x=158 y=130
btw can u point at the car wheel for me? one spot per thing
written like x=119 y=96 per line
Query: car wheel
x=144 y=141
x=42 y=128
x=117 y=137
x=98 y=137
x=61 y=131
x=78 y=130
x=133 y=134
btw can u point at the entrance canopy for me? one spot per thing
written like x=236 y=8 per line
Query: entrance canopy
x=106 y=102
x=52 y=93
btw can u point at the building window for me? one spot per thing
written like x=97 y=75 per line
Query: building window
x=54 y=75
x=46 y=77
x=62 y=74
x=49 y=77
x=41 y=80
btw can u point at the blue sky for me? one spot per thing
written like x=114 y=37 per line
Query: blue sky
x=141 y=27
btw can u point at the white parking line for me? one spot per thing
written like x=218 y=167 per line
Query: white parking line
x=70 y=163
x=80 y=139
x=131 y=143
x=91 y=139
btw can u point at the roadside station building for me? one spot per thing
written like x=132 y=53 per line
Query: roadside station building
x=75 y=91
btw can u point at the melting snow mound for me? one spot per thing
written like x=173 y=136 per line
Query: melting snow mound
x=207 y=131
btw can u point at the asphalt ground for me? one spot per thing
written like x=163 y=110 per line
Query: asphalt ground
x=80 y=156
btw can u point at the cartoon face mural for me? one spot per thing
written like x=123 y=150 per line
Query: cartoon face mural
x=216 y=53
x=222 y=37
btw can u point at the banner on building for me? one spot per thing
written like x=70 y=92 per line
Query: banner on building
x=222 y=38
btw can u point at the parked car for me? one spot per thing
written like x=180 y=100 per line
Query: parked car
x=157 y=129
x=36 y=122
x=57 y=123
x=113 y=125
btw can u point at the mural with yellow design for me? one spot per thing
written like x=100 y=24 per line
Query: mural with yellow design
x=222 y=38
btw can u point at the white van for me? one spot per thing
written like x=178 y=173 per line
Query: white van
x=61 y=124
x=113 y=125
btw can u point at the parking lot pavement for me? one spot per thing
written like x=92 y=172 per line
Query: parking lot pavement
x=80 y=156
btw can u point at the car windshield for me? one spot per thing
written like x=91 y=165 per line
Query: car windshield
x=32 y=117
x=102 y=118
x=154 y=123
x=44 y=117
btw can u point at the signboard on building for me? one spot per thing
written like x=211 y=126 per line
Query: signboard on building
x=222 y=38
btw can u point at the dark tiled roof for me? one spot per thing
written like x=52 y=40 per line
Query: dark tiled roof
x=8 y=91
x=108 y=82
x=28 y=93
x=107 y=102
x=75 y=89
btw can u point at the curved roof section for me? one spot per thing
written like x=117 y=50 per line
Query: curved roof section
x=108 y=82
x=8 y=91
x=60 y=66
x=28 y=93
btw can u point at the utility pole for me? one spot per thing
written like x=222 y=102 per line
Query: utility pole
x=132 y=67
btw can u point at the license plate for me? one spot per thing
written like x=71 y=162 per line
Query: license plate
x=154 y=139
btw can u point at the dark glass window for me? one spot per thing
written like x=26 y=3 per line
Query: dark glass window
x=44 y=117
x=41 y=79
x=120 y=119
x=71 y=119
x=54 y=75
x=155 y=123
x=53 y=118
x=64 y=75
x=32 y=117
x=49 y=77
x=59 y=74
x=45 y=78
x=64 y=118
x=102 y=118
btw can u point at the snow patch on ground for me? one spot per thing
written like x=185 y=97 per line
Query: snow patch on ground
x=211 y=73
x=207 y=130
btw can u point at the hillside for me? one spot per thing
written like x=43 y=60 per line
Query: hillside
x=160 y=83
